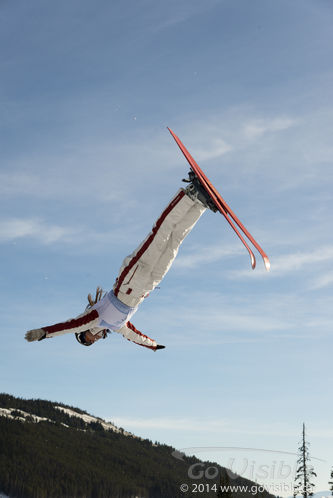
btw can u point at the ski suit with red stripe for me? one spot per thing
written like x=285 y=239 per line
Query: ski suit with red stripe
x=139 y=274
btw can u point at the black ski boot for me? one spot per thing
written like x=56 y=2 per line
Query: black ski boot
x=197 y=192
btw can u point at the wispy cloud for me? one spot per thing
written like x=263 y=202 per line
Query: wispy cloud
x=321 y=281
x=256 y=128
x=293 y=262
x=206 y=140
x=256 y=144
x=43 y=232
x=206 y=255
x=216 y=147
x=211 y=425
x=13 y=229
x=233 y=130
x=172 y=423
x=243 y=318
x=59 y=182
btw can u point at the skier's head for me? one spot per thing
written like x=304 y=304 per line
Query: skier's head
x=87 y=338
x=83 y=339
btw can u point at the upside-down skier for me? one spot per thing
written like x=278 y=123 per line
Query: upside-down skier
x=139 y=274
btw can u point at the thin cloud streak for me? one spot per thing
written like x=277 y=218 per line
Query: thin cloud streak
x=247 y=319
x=215 y=135
x=217 y=148
x=210 y=425
x=43 y=232
x=322 y=281
x=258 y=127
x=13 y=229
x=289 y=263
x=180 y=424
x=206 y=255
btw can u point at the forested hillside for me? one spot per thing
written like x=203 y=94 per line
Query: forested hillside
x=47 y=453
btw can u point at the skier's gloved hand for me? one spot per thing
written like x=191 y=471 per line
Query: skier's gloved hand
x=159 y=346
x=35 y=335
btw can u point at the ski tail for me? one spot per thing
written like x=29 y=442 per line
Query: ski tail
x=223 y=207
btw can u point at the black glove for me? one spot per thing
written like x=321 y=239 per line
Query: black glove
x=159 y=346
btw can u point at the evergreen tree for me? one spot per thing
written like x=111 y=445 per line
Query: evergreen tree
x=304 y=472
x=331 y=482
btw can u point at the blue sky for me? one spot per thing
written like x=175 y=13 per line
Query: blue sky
x=86 y=92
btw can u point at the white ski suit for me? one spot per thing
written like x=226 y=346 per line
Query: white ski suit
x=139 y=274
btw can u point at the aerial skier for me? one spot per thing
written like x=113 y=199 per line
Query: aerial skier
x=144 y=269
x=139 y=274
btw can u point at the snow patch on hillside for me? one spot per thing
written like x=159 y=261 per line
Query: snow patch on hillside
x=8 y=413
x=108 y=426
x=17 y=414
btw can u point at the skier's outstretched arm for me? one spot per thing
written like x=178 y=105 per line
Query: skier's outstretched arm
x=87 y=320
x=132 y=334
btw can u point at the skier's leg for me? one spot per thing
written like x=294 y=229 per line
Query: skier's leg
x=168 y=256
x=146 y=266
x=154 y=273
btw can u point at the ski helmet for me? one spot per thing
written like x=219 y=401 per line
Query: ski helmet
x=81 y=338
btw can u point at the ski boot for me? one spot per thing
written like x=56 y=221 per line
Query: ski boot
x=197 y=192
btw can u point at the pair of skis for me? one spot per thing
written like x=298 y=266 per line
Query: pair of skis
x=223 y=207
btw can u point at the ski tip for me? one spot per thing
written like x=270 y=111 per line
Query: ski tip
x=253 y=261
x=267 y=263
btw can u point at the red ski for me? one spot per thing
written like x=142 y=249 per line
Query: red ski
x=222 y=206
